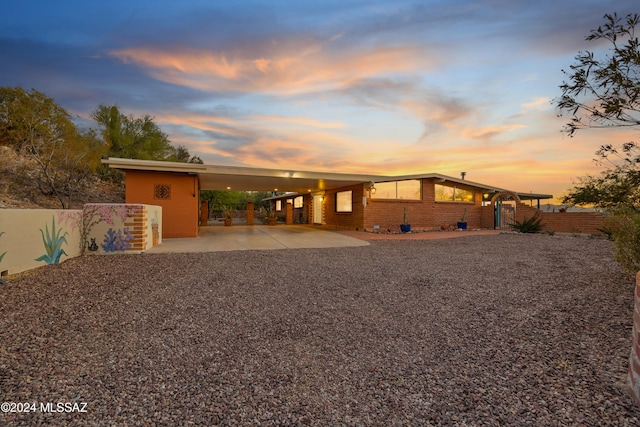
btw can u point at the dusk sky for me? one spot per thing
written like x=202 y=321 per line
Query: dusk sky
x=381 y=87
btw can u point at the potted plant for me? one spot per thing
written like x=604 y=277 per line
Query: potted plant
x=271 y=217
x=405 y=227
x=227 y=214
x=462 y=224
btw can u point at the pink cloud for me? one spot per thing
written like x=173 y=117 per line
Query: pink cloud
x=292 y=69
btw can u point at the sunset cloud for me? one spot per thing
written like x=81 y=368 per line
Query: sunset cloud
x=307 y=68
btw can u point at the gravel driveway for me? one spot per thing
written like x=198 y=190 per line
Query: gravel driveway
x=486 y=330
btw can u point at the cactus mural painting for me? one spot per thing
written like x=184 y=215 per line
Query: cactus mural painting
x=53 y=242
x=117 y=240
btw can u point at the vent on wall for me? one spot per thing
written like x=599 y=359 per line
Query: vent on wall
x=162 y=191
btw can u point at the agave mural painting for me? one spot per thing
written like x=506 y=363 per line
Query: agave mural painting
x=5 y=252
x=52 y=243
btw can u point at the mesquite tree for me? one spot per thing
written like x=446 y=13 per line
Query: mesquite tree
x=605 y=93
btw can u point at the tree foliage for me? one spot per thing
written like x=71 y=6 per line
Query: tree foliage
x=140 y=138
x=221 y=199
x=623 y=224
x=605 y=92
x=38 y=128
x=65 y=156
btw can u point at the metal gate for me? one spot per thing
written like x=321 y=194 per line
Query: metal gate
x=504 y=215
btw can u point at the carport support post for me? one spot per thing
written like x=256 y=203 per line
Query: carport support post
x=204 y=212
x=249 y=213
x=289 y=213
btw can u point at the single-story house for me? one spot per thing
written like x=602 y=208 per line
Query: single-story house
x=351 y=201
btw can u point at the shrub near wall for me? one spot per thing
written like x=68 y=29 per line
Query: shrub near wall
x=31 y=238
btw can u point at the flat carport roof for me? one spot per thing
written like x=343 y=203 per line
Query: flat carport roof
x=239 y=178
x=215 y=177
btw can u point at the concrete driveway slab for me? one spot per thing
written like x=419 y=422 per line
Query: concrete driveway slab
x=256 y=237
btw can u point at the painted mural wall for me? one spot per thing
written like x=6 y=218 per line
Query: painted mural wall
x=31 y=238
x=113 y=228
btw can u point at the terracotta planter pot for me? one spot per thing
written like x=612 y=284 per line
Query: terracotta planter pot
x=272 y=221
x=228 y=221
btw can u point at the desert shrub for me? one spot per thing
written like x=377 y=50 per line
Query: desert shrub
x=528 y=225
x=623 y=223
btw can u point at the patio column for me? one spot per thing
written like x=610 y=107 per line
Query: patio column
x=289 y=213
x=204 y=212
x=250 y=213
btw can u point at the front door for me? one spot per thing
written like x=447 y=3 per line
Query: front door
x=317 y=209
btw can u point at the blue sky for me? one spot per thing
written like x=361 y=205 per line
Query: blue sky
x=379 y=87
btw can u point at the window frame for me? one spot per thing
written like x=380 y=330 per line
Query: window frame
x=339 y=207
x=455 y=197
x=396 y=185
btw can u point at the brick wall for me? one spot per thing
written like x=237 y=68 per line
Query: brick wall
x=573 y=222
x=425 y=214
x=633 y=379
x=348 y=220
x=564 y=222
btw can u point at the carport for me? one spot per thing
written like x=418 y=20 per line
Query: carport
x=175 y=186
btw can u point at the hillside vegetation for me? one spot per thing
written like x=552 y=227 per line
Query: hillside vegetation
x=19 y=190
x=47 y=161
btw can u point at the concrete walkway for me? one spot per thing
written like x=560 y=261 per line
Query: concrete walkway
x=257 y=237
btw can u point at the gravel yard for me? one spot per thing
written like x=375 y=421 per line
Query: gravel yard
x=483 y=330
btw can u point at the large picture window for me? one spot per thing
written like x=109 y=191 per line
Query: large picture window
x=446 y=193
x=344 y=201
x=298 y=202
x=409 y=189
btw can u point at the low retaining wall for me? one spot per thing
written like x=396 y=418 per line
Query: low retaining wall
x=633 y=379
x=30 y=238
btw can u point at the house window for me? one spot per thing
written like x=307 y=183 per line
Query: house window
x=344 y=201
x=409 y=189
x=446 y=193
x=298 y=202
x=278 y=205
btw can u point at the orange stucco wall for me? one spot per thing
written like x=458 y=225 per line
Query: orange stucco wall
x=177 y=193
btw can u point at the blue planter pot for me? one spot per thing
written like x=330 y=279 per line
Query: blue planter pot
x=462 y=225
x=405 y=228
